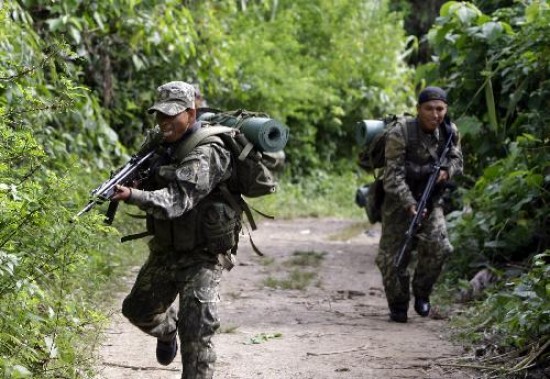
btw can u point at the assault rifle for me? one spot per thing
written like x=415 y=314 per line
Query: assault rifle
x=421 y=206
x=132 y=170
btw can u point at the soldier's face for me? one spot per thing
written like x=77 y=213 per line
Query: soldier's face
x=431 y=114
x=174 y=127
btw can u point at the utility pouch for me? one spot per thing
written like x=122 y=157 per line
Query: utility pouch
x=220 y=226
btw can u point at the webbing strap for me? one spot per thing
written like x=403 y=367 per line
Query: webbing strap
x=243 y=206
x=238 y=206
x=196 y=138
x=246 y=150
x=135 y=236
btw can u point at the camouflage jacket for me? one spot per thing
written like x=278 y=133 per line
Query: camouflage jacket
x=185 y=183
x=422 y=152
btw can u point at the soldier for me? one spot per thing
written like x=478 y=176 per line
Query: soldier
x=186 y=212
x=411 y=150
x=200 y=101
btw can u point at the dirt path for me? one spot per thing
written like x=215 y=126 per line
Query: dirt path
x=337 y=327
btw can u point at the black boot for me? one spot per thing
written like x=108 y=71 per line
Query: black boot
x=398 y=312
x=167 y=350
x=422 y=306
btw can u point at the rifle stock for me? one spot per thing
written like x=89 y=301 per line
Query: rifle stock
x=421 y=206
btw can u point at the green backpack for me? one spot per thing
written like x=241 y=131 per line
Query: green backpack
x=373 y=157
x=256 y=143
x=374 y=139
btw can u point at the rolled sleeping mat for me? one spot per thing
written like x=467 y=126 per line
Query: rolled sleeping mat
x=265 y=133
x=366 y=130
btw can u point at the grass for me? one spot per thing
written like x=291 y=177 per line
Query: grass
x=306 y=259
x=304 y=271
x=351 y=231
x=322 y=195
x=296 y=280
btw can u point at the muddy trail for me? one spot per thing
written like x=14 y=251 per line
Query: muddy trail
x=313 y=307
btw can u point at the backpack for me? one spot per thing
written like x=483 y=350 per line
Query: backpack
x=370 y=197
x=256 y=144
x=373 y=154
x=373 y=136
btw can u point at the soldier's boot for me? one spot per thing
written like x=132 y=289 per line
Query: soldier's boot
x=167 y=350
x=422 y=306
x=398 y=312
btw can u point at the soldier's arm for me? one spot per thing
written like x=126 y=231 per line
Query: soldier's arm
x=395 y=168
x=191 y=181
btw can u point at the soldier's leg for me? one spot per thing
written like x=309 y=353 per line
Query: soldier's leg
x=198 y=319
x=396 y=282
x=433 y=247
x=149 y=304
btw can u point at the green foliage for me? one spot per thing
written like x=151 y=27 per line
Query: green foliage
x=244 y=57
x=263 y=337
x=124 y=49
x=295 y=279
x=41 y=92
x=509 y=207
x=349 y=67
x=43 y=307
x=515 y=315
x=496 y=68
x=504 y=125
x=306 y=259
x=50 y=268
x=307 y=197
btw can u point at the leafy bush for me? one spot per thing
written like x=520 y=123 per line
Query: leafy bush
x=507 y=219
x=244 y=56
x=513 y=322
x=307 y=197
x=50 y=268
x=496 y=68
x=44 y=258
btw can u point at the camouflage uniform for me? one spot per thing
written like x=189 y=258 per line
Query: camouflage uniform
x=405 y=175
x=184 y=195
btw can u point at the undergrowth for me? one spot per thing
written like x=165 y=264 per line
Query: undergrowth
x=320 y=195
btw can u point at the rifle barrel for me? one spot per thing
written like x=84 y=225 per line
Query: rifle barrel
x=106 y=189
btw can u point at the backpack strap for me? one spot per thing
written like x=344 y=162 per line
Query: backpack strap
x=196 y=138
x=201 y=136
x=412 y=137
x=411 y=133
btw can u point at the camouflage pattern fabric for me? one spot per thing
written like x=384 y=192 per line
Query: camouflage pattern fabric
x=186 y=183
x=193 y=272
x=173 y=98
x=431 y=243
x=149 y=305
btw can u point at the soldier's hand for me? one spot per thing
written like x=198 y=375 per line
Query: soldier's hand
x=443 y=176
x=412 y=211
x=121 y=193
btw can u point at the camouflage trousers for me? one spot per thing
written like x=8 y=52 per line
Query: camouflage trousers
x=431 y=244
x=149 y=306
